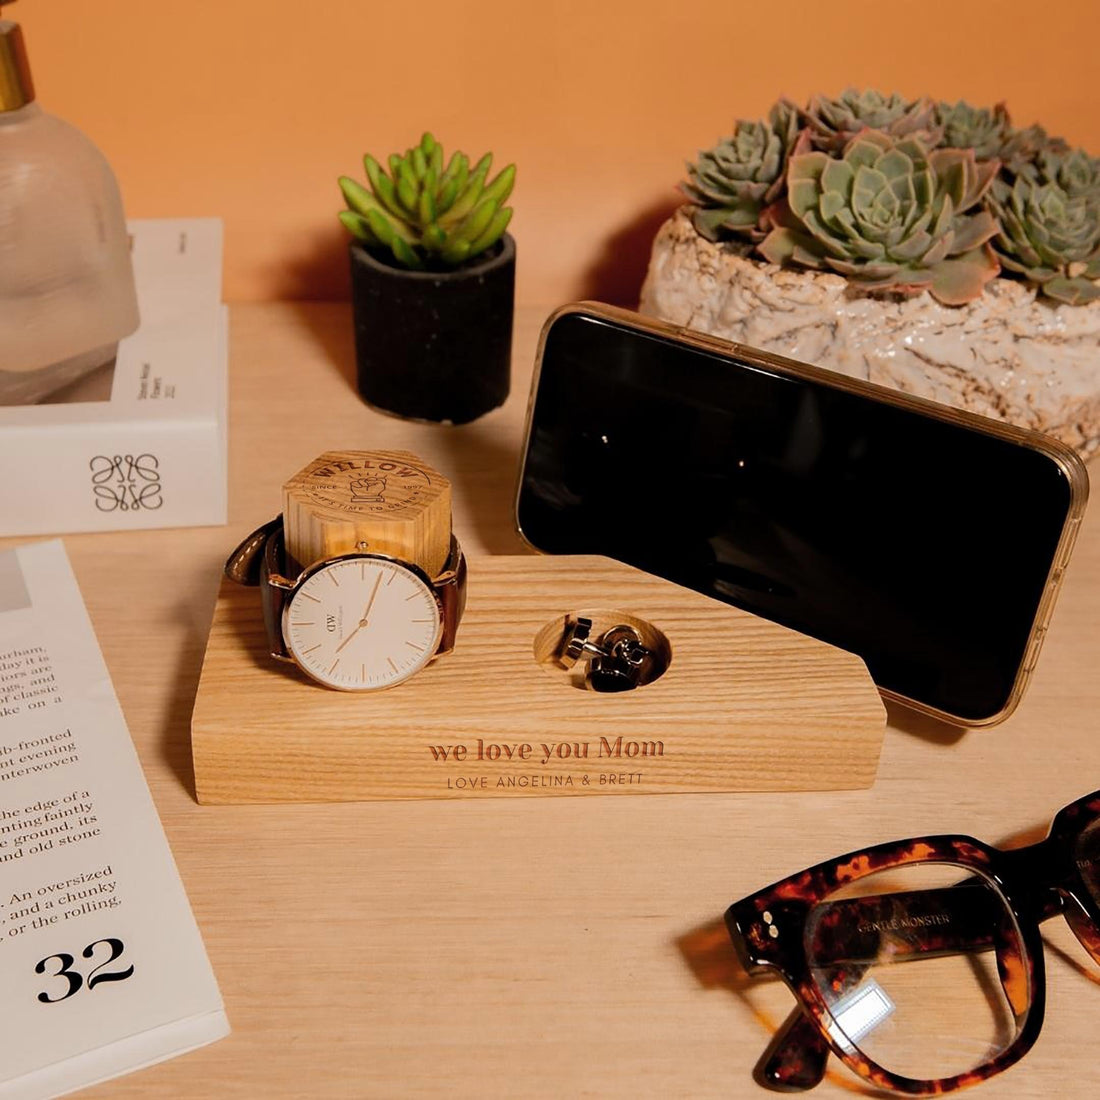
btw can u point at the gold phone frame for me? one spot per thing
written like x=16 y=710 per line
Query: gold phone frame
x=1063 y=456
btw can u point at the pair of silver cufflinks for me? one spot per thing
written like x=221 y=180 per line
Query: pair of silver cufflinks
x=617 y=660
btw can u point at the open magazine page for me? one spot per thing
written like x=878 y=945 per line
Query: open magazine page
x=102 y=968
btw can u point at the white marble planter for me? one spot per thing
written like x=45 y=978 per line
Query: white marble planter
x=1004 y=355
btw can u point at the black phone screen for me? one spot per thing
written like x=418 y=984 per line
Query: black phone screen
x=921 y=545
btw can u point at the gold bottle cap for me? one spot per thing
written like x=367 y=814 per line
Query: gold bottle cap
x=16 y=86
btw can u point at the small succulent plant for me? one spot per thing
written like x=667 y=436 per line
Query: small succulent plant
x=1050 y=236
x=983 y=129
x=891 y=216
x=427 y=215
x=832 y=123
x=732 y=184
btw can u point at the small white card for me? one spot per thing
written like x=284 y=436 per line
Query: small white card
x=177 y=266
x=862 y=1010
x=102 y=968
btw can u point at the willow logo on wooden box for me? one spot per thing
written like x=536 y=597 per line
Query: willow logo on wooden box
x=389 y=482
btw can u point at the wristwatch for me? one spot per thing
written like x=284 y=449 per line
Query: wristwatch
x=356 y=621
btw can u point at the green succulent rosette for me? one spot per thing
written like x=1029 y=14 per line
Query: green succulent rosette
x=891 y=216
x=732 y=184
x=1077 y=173
x=832 y=123
x=1049 y=235
x=1021 y=150
x=427 y=214
x=983 y=129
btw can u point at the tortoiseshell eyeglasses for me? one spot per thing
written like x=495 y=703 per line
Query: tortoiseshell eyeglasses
x=920 y=963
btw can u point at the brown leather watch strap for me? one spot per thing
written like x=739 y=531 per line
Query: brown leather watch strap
x=451 y=589
x=274 y=596
x=243 y=565
x=253 y=561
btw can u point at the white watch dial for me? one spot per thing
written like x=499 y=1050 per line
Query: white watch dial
x=362 y=623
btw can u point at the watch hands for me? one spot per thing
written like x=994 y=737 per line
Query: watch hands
x=370 y=602
x=366 y=611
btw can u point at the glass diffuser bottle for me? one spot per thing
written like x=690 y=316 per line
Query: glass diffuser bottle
x=66 y=282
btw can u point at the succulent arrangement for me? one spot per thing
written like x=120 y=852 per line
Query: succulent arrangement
x=427 y=215
x=904 y=196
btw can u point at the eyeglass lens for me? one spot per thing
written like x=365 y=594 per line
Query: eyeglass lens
x=1087 y=855
x=922 y=968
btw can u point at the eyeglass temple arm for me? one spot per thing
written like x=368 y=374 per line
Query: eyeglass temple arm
x=796 y=1058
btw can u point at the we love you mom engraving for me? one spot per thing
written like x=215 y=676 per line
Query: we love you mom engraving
x=542 y=765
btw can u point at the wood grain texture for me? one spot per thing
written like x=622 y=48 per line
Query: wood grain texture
x=382 y=501
x=524 y=948
x=488 y=721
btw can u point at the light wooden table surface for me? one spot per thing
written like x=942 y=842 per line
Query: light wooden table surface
x=547 y=947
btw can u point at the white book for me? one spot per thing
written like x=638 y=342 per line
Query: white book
x=102 y=968
x=142 y=444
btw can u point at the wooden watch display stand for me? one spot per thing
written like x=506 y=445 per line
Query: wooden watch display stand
x=743 y=705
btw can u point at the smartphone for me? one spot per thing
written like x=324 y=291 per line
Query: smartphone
x=927 y=540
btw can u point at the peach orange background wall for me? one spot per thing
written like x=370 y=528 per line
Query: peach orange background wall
x=249 y=109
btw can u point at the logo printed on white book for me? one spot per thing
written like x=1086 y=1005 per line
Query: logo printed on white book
x=126 y=483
